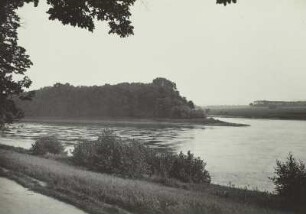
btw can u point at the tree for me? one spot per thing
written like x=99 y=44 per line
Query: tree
x=13 y=59
x=290 y=183
x=190 y=104
x=159 y=98
x=13 y=63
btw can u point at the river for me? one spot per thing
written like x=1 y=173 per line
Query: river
x=240 y=156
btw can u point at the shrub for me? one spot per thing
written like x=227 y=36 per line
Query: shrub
x=46 y=145
x=111 y=154
x=290 y=182
x=161 y=163
x=185 y=168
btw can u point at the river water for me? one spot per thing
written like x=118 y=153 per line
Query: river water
x=240 y=156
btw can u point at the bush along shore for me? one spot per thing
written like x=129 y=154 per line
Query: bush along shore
x=112 y=175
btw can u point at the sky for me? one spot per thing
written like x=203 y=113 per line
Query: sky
x=216 y=55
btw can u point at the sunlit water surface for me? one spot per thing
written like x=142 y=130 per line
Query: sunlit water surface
x=240 y=156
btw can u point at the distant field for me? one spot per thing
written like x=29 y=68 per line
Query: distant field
x=296 y=113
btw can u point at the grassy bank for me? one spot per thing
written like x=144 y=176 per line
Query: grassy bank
x=102 y=193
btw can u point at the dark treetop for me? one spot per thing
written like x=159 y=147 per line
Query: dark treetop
x=159 y=99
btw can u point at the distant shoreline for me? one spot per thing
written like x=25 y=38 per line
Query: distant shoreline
x=135 y=121
x=256 y=118
x=276 y=113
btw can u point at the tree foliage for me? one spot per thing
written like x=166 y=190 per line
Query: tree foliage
x=159 y=99
x=83 y=13
x=13 y=62
x=48 y=144
x=290 y=182
x=225 y=2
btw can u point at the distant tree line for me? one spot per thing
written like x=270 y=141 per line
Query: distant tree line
x=159 y=99
x=267 y=103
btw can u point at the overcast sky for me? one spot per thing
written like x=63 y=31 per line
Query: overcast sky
x=216 y=55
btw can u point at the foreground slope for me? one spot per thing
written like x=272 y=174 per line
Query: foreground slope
x=102 y=193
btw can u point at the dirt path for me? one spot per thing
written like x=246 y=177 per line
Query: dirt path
x=15 y=199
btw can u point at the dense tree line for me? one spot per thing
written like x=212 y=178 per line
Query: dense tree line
x=159 y=99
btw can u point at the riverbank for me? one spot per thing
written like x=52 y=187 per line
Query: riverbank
x=132 y=121
x=103 y=193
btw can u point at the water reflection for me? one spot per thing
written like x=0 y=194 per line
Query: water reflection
x=24 y=134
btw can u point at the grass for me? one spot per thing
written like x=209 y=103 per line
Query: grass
x=101 y=193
